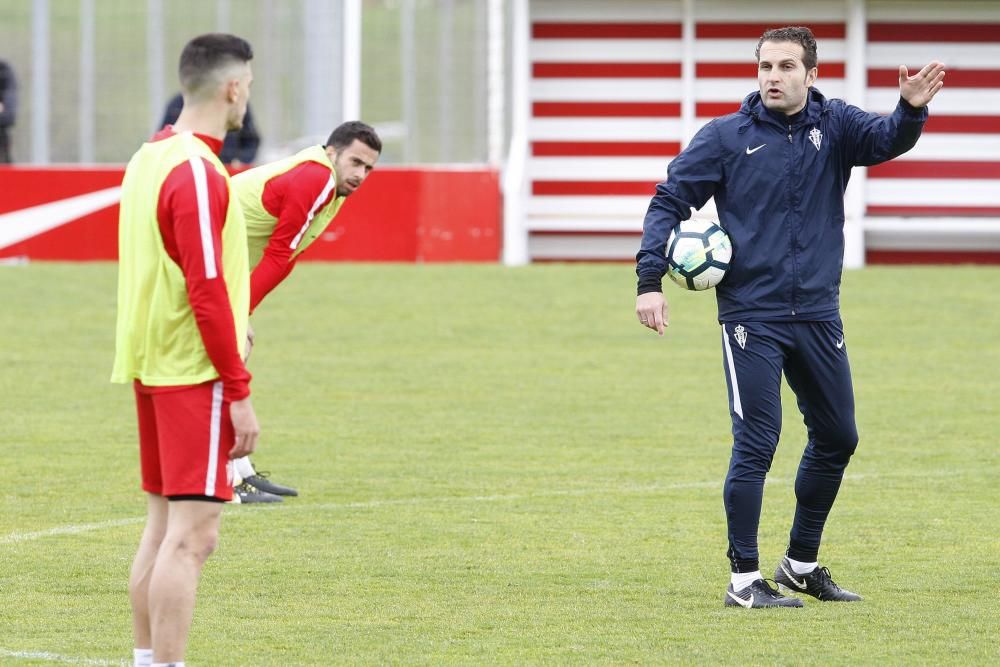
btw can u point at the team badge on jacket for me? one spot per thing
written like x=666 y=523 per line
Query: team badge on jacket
x=816 y=137
x=740 y=334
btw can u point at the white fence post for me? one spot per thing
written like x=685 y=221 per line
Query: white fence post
x=856 y=81
x=515 y=227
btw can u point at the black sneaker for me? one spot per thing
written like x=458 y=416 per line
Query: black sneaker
x=817 y=583
x=260 y=480
x=758 y=595
x=245 y=493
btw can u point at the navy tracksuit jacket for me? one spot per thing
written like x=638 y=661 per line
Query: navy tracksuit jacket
x=779 y=185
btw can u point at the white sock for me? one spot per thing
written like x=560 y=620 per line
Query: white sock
x=243 y=467
x=798 y=567
x=142 y=657
x=168 y=664
x=741 y=580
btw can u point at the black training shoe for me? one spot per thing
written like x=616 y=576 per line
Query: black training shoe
x=758 y=595
x=245 y=493
x=260 y=480
x=817 y=583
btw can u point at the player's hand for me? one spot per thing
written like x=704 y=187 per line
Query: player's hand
x=921 y=88
x=246 y=428
x=652 y=310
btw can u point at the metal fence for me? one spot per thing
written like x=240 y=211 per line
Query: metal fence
x=95 y=75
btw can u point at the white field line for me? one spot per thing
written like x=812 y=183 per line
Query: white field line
x=16 y=538
x=71 y=529
x=63 y=659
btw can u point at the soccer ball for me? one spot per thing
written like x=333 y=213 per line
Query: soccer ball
x=698 y=254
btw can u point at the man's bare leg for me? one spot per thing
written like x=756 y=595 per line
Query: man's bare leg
x=142 y=568
x=191 y=537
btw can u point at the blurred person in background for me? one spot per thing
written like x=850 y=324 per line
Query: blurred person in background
x=287 y=205
x=240 y=147
x=8 y=110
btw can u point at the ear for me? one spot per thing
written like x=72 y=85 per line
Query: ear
x=232 y=90
x=811 y=76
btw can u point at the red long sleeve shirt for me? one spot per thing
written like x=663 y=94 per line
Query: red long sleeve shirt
x=186 y=198
x=293 y=198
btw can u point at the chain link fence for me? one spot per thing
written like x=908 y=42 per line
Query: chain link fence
x=105 y=69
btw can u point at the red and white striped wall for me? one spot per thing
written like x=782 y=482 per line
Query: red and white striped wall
x=948 y=186
x=617 y=89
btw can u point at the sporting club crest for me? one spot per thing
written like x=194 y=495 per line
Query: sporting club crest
x=816 y=137
x=740 y=334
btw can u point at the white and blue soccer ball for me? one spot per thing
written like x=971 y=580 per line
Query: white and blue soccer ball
x=698 y=254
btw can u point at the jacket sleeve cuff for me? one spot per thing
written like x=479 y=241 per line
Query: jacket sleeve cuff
x=649 y=284
x=911 y=110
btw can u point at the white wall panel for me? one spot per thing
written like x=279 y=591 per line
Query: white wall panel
x=605 y=50
x=616 y=168
x=933 y=192
x=604 y=129
x=890 y=55
x=605 y=90
x=588 y=206
x=742 y=50
x=733 y=90
x=946 y=146
x=718 y=11
x=899 y=11
x=950 y=101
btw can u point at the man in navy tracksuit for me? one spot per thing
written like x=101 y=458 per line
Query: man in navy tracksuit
x=778 y=170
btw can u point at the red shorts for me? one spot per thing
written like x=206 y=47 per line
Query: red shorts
x=185 y=434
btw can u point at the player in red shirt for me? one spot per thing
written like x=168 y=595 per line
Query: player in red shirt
x=183 y=298
x=288 y=204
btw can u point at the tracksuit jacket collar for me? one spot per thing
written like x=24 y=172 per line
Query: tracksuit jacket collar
x=753 y=107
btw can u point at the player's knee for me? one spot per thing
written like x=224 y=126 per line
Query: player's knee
x=208 y=542
x=750 y=463
x=841 y=441
x=848 y=437
x=198 y=545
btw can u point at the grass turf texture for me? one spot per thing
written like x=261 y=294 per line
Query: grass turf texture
x=501 y=466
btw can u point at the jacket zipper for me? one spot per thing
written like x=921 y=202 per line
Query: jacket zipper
x=794 y=254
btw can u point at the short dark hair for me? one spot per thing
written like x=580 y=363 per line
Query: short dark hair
x=346 y=133
x=797 y=34
x=206 y=53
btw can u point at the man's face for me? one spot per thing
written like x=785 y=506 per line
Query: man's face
x=238 y=94
x=353 y=164
x=782 y=77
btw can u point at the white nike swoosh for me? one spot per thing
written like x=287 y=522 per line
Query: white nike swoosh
x=741 y=601
x=840 y=343
x=750 y=152
x=800 y=584
x=19 y=225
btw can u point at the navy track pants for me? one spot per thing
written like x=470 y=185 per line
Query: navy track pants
x=813 y=358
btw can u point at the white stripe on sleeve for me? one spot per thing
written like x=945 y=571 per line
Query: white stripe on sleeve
x=213 y=439
x=737 y=406
x=330 y=184
x=204 y=215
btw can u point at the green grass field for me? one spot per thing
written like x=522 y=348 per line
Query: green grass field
x=500 y=466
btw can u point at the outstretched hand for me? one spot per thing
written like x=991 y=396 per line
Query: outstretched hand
x=921 y=88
